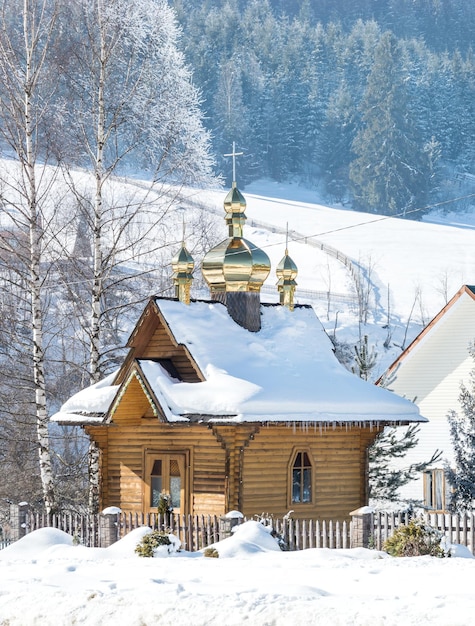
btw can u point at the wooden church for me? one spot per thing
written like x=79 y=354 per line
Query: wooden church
x=229 y=403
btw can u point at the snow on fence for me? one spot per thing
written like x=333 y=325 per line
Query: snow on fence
x=198 y=531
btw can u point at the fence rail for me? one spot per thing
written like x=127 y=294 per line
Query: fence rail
x=198 y=531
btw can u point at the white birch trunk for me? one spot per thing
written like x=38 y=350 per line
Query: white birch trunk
x=97 y=286
x=30 y=37
x=97 y=234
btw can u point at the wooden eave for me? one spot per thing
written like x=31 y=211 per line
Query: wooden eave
x=151 y=319
x=465 y=289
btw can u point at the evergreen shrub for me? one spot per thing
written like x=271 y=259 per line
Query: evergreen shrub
x=211 y=553
x=149 y=543
x=415 y=539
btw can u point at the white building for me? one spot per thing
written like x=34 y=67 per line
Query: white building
x=429 y=372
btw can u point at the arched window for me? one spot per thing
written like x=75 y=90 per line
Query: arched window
x=301 y=478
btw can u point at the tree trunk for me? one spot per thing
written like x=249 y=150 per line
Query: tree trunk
x=31 y=77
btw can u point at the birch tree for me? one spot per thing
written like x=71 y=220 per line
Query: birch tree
x=135 y=110
x=26 y=34
x=135 y=107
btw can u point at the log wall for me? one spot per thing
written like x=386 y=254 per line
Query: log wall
x=245 y=467
x=338 y=456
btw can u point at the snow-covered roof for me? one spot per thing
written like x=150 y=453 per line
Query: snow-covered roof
x=89 y=405
x=286 y=372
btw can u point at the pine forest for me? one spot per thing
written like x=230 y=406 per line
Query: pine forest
x=371 y=100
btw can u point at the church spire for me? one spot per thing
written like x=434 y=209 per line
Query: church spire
x=286 y=273
x=235 y=269
x=234 y=203
x=183 y=265
x=234 y=154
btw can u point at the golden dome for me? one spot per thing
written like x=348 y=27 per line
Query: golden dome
x=235 y=206
x=182 y=262
x=235 y=264
x=286 y=270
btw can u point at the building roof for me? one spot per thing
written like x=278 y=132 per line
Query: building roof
x=464 y=292
x=286 y=372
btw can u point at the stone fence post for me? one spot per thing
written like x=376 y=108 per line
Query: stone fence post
x=109 y=526
x=18 y=520
x=362 y=524
x=227 y=523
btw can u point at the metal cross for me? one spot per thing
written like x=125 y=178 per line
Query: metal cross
x=234 y=154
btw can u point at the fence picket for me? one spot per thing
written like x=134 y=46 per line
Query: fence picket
x=318 y=534
x=457 y=528
x=324 y=534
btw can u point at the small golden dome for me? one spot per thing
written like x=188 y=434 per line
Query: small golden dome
x=183 y=265
x=235 y=206
x=286 y=270
x=182 y=262
x=286 y=273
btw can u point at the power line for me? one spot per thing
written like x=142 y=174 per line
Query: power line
x=378 y=219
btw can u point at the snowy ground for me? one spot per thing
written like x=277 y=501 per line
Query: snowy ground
x=45 y=580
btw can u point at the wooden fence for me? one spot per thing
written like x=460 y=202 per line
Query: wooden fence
x=458 y=528
x=198 y=531
x=84 y=528
x=194 y=531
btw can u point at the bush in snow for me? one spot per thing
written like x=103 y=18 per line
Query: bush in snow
x=211 y=553
x=415 y=539
x=157 y=543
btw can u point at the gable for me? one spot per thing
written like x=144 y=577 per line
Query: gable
x=134 y=402
x=465 y=292
x=440 y=352
x=153 y=340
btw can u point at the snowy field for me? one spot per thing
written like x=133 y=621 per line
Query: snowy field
x=46 y=581
x=406 y=256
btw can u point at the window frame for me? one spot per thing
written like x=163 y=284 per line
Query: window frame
x=290 y=479
x=433 y=480
x=165 y=456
